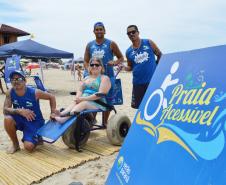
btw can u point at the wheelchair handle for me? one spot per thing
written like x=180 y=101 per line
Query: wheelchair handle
x=118 y=70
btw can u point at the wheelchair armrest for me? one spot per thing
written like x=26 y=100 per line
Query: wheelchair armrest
x=102 y=95
x=97 y=94
x=73 y=93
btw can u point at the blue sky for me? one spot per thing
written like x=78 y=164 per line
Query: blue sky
x=174 y=25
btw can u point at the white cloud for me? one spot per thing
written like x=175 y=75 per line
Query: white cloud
x=174 y=25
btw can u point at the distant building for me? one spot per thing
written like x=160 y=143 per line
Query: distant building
x=10 y=34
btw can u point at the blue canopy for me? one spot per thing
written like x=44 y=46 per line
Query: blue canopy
x=2 y=53
x=30 y=48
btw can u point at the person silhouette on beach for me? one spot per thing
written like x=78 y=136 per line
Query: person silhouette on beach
x=79 y=72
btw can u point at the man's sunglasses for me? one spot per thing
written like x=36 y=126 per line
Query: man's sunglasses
x=131 y=32
x=96 y=65
x=99 y=29
x=17 y=80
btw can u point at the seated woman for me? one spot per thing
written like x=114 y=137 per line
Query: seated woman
x=90 y=89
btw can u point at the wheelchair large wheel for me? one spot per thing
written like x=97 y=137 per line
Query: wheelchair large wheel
x=69 y=139
x=117 y=128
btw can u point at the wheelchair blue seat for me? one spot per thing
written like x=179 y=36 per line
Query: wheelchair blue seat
x=52 y=130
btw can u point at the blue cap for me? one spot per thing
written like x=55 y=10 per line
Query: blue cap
x=17 y=72
x=98 y=24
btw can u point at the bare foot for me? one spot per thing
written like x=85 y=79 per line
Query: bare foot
x=61 y=119
x=13 y=149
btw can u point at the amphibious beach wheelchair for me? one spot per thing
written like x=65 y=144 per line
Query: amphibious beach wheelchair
x=75 y=131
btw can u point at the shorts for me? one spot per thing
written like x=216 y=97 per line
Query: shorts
x=29 y=128
x=138 y=94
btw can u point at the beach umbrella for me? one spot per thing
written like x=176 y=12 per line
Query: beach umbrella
x=32 y=66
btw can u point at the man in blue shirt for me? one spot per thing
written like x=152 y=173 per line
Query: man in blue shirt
x=141 y=61
x=22 y=112
x=104 y=49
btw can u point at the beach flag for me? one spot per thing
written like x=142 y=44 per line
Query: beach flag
x=179 y=131
x=11 y=64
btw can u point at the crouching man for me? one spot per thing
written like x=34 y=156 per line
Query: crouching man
x=22 y=112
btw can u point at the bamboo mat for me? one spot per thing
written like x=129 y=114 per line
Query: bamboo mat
x=25 y=168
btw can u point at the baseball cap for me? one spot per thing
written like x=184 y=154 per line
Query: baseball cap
x=20 y=73
x=98 y=24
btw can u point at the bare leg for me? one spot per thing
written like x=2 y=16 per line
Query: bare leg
x=68 y=109
x=77 y=108
x=10 y=128
x=64 y=112
x=82 y=106
x=61 y=119
x=105 y=117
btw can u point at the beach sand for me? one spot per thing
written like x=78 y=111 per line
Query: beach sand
x=60 y=83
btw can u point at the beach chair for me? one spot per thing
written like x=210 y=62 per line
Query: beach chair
x=38 y=83
x=75 y=131
x=12 y=64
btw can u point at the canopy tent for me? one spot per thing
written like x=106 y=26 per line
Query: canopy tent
x=30 y=48
x=2 y=54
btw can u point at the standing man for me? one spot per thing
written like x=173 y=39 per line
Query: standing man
x=104 y=49
x=141 y=61
x=22 y=112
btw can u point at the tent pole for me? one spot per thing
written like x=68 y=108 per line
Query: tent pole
x=73 y=65
x=41 y=70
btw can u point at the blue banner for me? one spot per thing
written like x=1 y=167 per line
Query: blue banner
x=12 y=64
x=178 y=134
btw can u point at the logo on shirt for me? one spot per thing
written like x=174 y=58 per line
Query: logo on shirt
x=146 y=47
x=98 y=53
x=133 y=52
x=141 y=57
x=29 y=104
x=15 y=102
x=104 y=46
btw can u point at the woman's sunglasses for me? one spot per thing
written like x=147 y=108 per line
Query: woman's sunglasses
x=96 y=65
